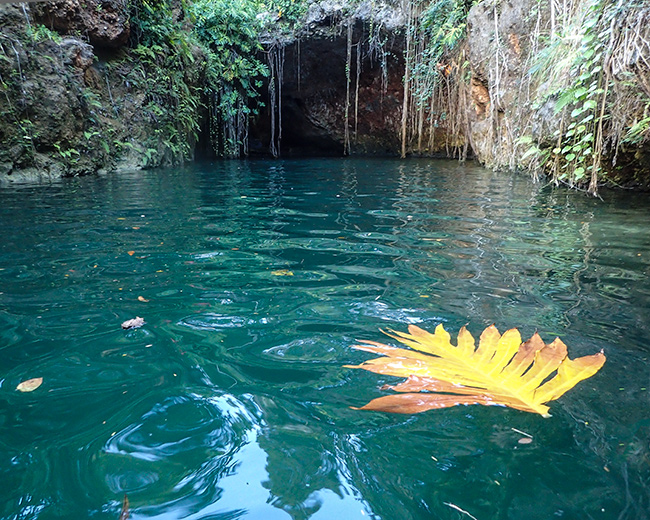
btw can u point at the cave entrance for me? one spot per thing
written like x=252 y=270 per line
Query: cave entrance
x=330 y=95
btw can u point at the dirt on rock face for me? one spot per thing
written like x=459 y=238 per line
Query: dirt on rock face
x=104 y=22
x=497 y=41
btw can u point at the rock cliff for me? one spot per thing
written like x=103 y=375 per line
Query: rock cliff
x=105 y=23
x=561 y=92
x=75 y=96
x=81 y=94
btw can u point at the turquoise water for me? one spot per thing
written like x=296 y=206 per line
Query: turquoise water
x=232 y=400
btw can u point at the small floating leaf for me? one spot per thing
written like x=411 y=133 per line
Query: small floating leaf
x=142 y=299
x=130 y=253
x=124 y=515
x=282 y=272
x=134 y=323
x=30 y=385
x=501 y=371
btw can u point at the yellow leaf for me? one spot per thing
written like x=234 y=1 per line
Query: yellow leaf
x=282 y=272
x=501 y=371
x=30 y=385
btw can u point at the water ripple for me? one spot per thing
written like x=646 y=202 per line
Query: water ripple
x=233 y=400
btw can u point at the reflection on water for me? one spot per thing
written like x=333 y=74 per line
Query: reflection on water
x=254 y=279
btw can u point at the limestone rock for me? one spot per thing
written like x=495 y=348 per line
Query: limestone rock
x=104 y=22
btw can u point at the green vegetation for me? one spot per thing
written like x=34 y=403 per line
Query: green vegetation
x=163 y=67
x=581 y=107
x=229 y=31
x=589 y=69
x=40 y=32
x=570 y=67
x=223 y=36
x=196 y=67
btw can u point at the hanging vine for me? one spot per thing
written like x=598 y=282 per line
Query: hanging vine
x=358 y=48
x=589 y=65
x=348 y=75
x=275 y=58
x=435 y=81
x=407 y=74
x=229 y=31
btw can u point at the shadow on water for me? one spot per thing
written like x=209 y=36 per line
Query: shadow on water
x=254 y=278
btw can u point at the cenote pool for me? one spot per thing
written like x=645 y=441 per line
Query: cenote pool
x=254 y=278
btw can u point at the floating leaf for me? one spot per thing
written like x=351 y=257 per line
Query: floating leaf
x=501 y=371
x=134 y=323
x=30 y=385
x=130 y=253
x=124 y=515
x=142 y=299
x=282 y=272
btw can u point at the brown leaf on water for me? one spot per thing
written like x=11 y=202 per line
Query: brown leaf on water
x=125 y=508
x=134 y=323
x=501 y=371
x=30 y=385
x=130 y=253
x=142 y=299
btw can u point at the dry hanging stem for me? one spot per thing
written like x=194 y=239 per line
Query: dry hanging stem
x=407 y=67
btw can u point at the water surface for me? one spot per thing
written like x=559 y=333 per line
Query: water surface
x=232 y=401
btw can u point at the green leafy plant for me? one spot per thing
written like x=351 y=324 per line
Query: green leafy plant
x=162 y=66
x=40 y=32
x=69 y=156
x=586 y=68
x=230 y=32
x=575 y=156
